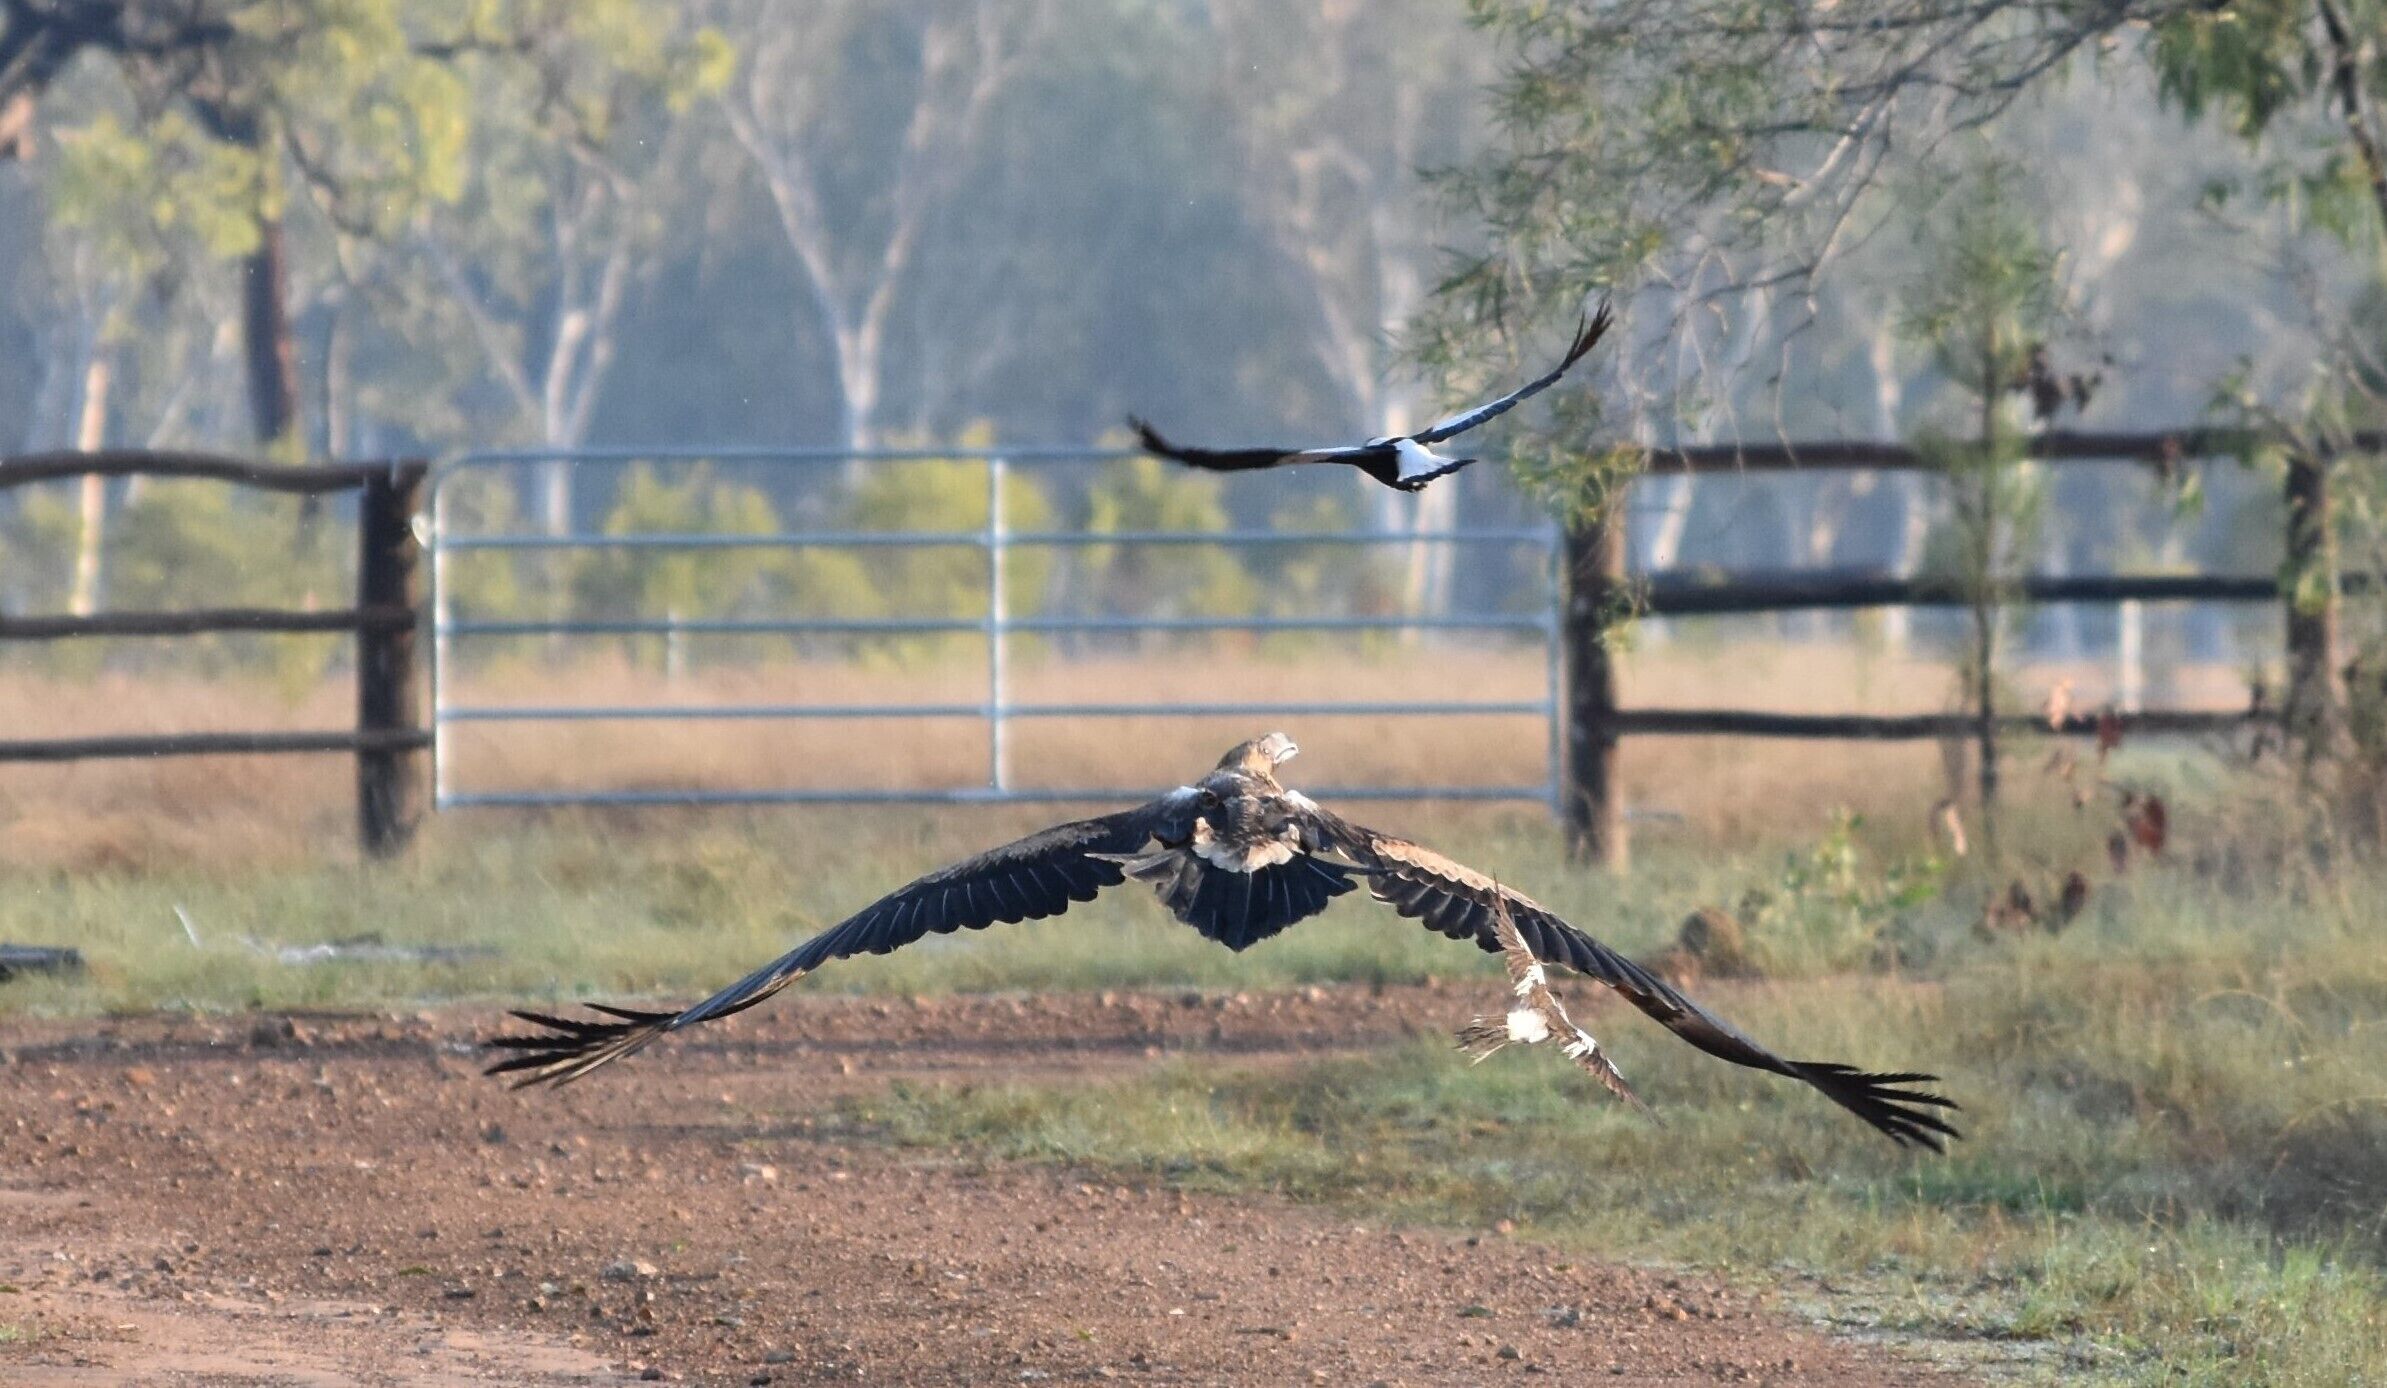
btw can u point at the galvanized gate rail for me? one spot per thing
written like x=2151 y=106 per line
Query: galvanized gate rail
x=997 y=709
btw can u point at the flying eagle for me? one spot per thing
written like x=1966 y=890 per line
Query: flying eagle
x=1406 y=462
x=1238 y=857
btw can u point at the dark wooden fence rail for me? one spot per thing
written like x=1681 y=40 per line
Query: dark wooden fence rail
x=2053 y=446
x=1600 y=595
x=389 y=738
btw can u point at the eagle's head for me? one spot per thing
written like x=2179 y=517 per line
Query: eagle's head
x=1260 y=756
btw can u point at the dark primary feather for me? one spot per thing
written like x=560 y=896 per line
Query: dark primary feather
x=1462 y=903
x=1038 y=876
x=1244 y=459
x=1587 y=335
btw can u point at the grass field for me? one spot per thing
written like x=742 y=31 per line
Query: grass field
x=2176 y=1159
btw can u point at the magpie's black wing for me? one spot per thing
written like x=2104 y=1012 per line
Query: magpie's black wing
x=1243 y=459
x=1038 y=876
x=1586 y=336
x=1464 y=904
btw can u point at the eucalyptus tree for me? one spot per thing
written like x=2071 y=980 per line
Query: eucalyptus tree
x=860 y=119
x=1341 y=107
x=1718 y=161
x=229 y=108
x=578 y=143
x=1704 y=152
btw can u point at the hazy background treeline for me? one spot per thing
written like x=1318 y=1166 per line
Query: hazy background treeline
x=871 y=222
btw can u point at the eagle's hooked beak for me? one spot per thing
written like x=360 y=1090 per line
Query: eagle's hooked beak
x=1278 y=748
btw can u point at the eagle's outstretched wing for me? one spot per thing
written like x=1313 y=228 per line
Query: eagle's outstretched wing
x=1041 y=875
x=1465 y=905
x=1587 y=335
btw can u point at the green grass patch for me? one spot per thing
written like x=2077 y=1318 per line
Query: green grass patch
x=576 y=908
x=671 y=905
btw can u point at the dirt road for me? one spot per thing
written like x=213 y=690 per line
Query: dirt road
x=346 y=1201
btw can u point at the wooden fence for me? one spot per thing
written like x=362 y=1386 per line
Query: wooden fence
x=390 y=735
x=1600 y=594
x=390 y=738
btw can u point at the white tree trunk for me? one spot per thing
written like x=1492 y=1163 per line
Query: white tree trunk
x=1907 y=489
x=1669 y=512
x=91 y=434
x=968 y=54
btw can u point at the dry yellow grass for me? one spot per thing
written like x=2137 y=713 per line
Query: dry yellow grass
x=119 y=814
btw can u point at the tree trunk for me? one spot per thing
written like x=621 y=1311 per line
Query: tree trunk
x=91 y=434
x=2316 y=706
x=339 y=387
x=271 y=345
x=1663 y=549
x=1985 y=603
x=1660 y=542
x=858 y=375
x=1426 y=585
x=16 y=127
x=1593 y=808
x=1908 y=489
x=1829 y=495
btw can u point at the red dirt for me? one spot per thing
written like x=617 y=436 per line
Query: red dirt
x=347 y=1201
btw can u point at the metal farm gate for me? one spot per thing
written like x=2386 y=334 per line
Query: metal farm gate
x=454 y=533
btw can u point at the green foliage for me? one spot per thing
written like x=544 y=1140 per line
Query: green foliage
x=1710 y=158
x=679 y=583
x=1985 y=302
x=352 y=122
x=38 y=534
x=1162 y=580
x=177 y=545
x=1831 y=908
x=953 y=581
x=2274 y=63
x=1987 y=293
x=690 y=582
x=183 y=543
x=481 y=585
x=364 y=91
x=2250 y=62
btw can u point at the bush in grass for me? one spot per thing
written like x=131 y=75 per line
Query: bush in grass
x=1834 y=907
x=686 y=583
x=950 y=581
x=1161 y=580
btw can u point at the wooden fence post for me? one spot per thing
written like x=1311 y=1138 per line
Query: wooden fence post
x=389 y=573
x=1594 y=808
x=2316 y=695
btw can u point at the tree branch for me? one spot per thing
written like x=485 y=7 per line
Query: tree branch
x=2346 y=78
